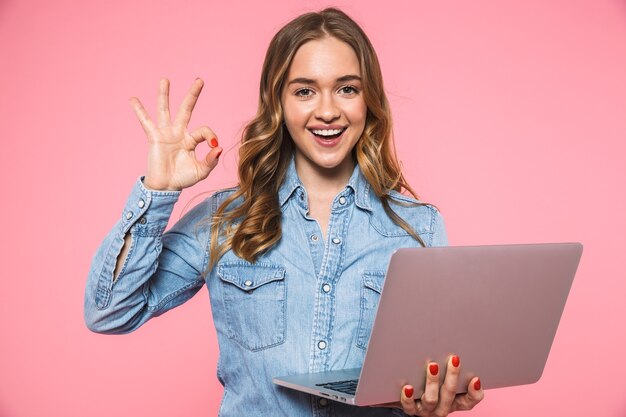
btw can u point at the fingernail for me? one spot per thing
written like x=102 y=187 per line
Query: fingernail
x=408 y=391
x=456 y=361
x=218 y=153
x=477 y=385
x=434 y=369
x=214 y=142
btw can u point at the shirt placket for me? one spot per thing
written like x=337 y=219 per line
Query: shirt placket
x=330 y=267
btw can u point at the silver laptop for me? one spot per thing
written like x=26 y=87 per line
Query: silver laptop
x=497 y=307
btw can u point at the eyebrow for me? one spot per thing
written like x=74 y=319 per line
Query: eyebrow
x=302 y=80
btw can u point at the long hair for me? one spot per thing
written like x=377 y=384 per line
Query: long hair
x=249 y=220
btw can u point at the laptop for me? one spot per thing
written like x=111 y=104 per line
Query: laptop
x=497 y=307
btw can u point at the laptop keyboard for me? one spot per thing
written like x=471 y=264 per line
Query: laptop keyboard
x=347 y=387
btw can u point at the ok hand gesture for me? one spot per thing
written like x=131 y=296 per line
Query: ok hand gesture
x=172 y=163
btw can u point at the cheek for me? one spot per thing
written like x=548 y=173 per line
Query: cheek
x=363 y=110
x=358 y=112
x=286 y=110
x=293 y=114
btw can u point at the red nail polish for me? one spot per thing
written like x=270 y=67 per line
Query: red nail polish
x=408 y=391
x=434 y=369
x=477 y=385
x=218 y=153
x=214 y=142
x=456 y=361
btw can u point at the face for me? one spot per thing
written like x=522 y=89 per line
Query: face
x=323 y=105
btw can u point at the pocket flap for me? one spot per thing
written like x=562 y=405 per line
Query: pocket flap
x=248 y=276
x=374 y=280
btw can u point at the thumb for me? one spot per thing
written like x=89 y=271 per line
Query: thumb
x=210 y=161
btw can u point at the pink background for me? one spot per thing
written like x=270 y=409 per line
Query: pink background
x=510 y=116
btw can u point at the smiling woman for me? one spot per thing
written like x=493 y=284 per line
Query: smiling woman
x=292 y=250
x=324 y=114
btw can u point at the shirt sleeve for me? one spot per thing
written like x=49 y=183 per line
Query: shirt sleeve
x=162 y=270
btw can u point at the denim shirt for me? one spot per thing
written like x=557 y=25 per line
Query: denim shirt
x=306 y=305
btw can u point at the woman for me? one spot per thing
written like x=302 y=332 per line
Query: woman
x=294 y=256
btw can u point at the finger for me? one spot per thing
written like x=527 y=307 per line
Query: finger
x=163 y=105
x=142 y=115
x=447 y=393
x=474 y=395
x=202 y=134
x=430 y=397
x=184 y=112
x=409 y=406
x=205 y=134
x=210 y=161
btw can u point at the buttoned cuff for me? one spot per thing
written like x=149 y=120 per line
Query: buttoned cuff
x=147 y=212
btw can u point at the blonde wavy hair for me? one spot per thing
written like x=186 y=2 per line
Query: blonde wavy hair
x=249 y=220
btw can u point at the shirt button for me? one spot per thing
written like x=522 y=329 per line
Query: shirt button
x=342 y=200
x=314 y=238
x=247 y=283
x=336 y=240
x=326 y=288
x=129 y=215
x=321 y=344
x=323 y=402
x=142 y=220
x=141 y=203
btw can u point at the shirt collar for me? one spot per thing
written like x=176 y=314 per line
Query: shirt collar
x=357 y=182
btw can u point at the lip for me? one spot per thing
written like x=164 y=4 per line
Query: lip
x=328 y=143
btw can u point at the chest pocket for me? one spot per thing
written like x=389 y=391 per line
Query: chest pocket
x=370 y=295
x=254 y=303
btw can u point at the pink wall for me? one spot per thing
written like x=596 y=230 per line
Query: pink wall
x=510 y=116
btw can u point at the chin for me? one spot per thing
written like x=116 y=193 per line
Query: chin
x=330 y=163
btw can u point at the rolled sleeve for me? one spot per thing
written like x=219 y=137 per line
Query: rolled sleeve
x=147 y=210
x=161 y=271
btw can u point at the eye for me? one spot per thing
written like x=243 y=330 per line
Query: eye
x=303 y=92
x=348 y=89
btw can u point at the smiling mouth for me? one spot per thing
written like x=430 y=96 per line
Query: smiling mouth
x=327 y=134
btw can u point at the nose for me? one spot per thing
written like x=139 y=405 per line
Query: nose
x=327 y=109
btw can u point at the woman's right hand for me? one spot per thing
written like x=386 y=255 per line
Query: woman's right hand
x=172 y=163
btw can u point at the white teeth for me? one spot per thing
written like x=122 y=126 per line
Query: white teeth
x=327 y=132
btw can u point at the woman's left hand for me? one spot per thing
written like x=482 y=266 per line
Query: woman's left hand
x=440 y=401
